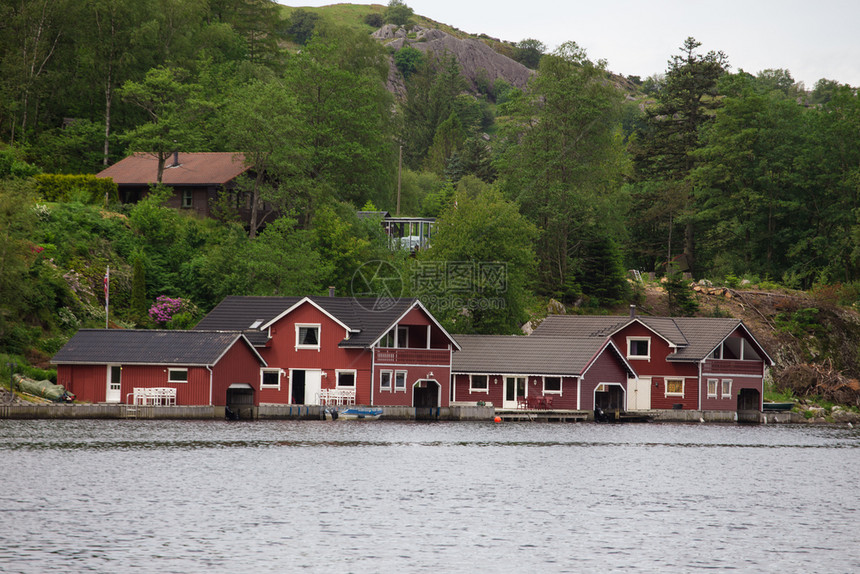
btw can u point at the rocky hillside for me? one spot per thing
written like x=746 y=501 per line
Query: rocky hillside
x=472 y=54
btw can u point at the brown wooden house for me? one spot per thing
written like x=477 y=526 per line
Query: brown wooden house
x=196 y=178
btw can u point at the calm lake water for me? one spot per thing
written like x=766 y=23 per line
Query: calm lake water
x=353 y=496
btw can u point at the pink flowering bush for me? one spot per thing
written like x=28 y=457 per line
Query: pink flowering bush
x=164 y=308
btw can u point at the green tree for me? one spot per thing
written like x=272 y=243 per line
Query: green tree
x=432 y=91
x=749 y=206
x=563 y=161
x=138 y=291
x=261 y=121
x=476 y=273
x=338 y=81
x=398 y=13
x=528 y=52
x=664 y=148
x=604 y=277
x=448 y=141
x=680 y=296
x=174 y=114
x=408 y=59
x=16 y=219
x=302 y=25
x=283 y=261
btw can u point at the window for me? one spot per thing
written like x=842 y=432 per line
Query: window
x=346 y=379
x=307 y=337
x=675 y=387
x=638 y=348
x=712 y=388
x=400 y=381
x=187 y=198
x=270 y=378
x=727 y=388
x=552 y=385
x=479 y=384
x=402 y=338
x=385 y=380
x=177 y=375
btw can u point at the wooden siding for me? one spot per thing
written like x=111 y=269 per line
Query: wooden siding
x=729 y=403
x=606 y=368
x=534 y=389
x=87 y=382
x=494 y=394
x=386 y=356
x=239 y=365
x=393 y=398
x=733 y=367
x=689 y=400
x=281 y=353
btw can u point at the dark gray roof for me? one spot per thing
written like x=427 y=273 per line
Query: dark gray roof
x=142 y=346
x=694 y=337
x=367 y=318
x=704 y=334
x=519 y=355
x=240 y=313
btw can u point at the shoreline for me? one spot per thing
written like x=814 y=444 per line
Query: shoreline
x=456 y=413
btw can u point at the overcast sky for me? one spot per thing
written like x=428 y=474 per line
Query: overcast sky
x=813 y=39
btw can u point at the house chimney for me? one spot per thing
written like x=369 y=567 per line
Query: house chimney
x=331 y=291
x=175 y=158
x=632 y=311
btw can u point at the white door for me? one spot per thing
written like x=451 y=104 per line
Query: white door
x=639 y=394
x=514 y=387
x=114 y=384
x=313 y=384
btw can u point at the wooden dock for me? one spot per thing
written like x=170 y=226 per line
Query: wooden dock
x=542 y=415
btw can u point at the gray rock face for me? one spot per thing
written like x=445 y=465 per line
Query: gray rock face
x=473 y=55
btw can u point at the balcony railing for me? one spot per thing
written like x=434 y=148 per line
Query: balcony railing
x=387 y=356
x=730 y=367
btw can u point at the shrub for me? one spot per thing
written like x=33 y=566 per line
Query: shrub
x=173 y=313
x=374 y=20
x=84 y=188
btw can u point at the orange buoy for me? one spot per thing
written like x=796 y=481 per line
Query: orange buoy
x=497 y=420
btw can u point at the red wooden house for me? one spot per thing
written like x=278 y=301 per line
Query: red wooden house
x=694 y=363
x=389 y=352
x=200 y=367
x=544 y=372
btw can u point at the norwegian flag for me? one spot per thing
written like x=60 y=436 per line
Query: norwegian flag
x=107 y=297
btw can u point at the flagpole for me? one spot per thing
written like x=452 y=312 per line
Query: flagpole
x=107 y=296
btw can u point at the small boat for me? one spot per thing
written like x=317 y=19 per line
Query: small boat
x=777 y=406
x=366 y=413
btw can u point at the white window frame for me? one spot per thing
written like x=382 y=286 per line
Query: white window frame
x=339 y=372
x=560 y=386
x=299 y=327
x=666 y=384
x=631 y=340
x=723 y=393
x=405 y=380
x=390 y=374
x=388 y=341
x=263 y=372
x=474 y=389
x=187 y=199
x=713 y=394
x=170 y=378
